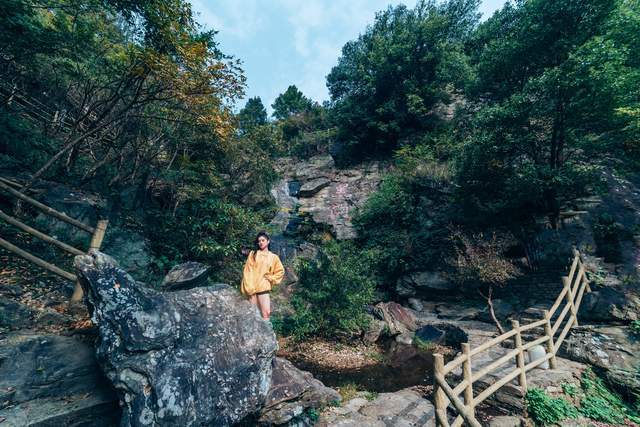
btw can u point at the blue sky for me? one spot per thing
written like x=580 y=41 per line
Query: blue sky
x=284 y=42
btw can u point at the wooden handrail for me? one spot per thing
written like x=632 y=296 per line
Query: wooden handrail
x=40 y=235
x=38 y=261
x=574 y=286
x=46 y=209
x=97 y=236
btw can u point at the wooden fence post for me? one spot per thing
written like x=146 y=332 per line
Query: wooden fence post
x=567 y=284
x=548 y=332
x=440 y=400
x=96 y=242
x=520 y=357
x=98 y=235
x=466 y=372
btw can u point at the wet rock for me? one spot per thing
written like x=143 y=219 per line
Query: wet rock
x=421 y=282
x=402 y=408
x=293 y=391
x=52 y=380
x=443 y=333
x=201 y=356
x=612 y=349
x=185 y=276
x=310 y=188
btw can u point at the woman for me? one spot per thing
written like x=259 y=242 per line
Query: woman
x=262 y=270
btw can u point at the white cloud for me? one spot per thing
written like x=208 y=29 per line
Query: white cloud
x=241 y=19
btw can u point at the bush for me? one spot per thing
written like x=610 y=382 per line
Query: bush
x=332 y=294
x=546 y=410
x=600 y=404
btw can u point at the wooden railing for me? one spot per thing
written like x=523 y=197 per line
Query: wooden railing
x=574 y=286
x=97 y=234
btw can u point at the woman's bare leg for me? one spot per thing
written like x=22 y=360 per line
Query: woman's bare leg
x=264 y=302
x=253 y=299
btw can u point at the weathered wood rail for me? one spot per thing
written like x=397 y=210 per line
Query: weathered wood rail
x=97 y=234
x=445 y=395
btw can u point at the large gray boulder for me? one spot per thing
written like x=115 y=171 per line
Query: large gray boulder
x=194 y=357
x=53 y=380
x=186 y=275
x=607 y=304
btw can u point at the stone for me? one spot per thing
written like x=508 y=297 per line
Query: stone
x=506 y=421
x=397 y=318
x=537 y=352
x=402 y=408
x=442 y=333
x=131 y=249
x=606 y=304
x=611 y=349
x=502 y=309
x=422 y=283
x=311 y=187
x=293 y=391
x=405 y=338
x=185 y=276
x=415 y=304
x=374 y=330
x=14 y=315
x=51 y=379
x=200 y=356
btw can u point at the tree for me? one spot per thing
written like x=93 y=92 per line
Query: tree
x=387 y=82
x=549 y=81
x=253 y=114
x=291 y=102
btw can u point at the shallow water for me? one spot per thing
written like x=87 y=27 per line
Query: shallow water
x=400 y=367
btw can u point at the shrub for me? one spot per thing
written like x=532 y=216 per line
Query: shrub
x=332 y=293
x=600 y=404
x=546 y=410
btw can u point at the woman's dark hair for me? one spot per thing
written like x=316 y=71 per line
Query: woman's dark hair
x=255 y=242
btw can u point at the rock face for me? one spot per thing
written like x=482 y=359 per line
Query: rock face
x=423 y=282
x=194 y=357
x=611 y=349
x=329 y=195
x=402 y=408
x=53 y=380
x=186 y=275
x=605 y=304
x=291 y=392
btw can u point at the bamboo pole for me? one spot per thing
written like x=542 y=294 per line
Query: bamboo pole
x=440 y=400
x=460 y=407
x=550 y=349
x=520 y=357
x=46 y=209
x=466 y=371
x=40 y=235
x=570 y=296
x=96 y=242
x=98 y=235
x=38 y=261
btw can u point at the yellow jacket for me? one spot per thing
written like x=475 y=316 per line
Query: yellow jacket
x=263 y=273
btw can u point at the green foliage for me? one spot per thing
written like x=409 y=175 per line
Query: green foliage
x=546 y=410
x=404 y=221
x=332 y=293
x=291 y=102
x=635 y=328
x=252 y=114
x=388 y=81
x=607 y=235
x=601 y=404
x=423 y=345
